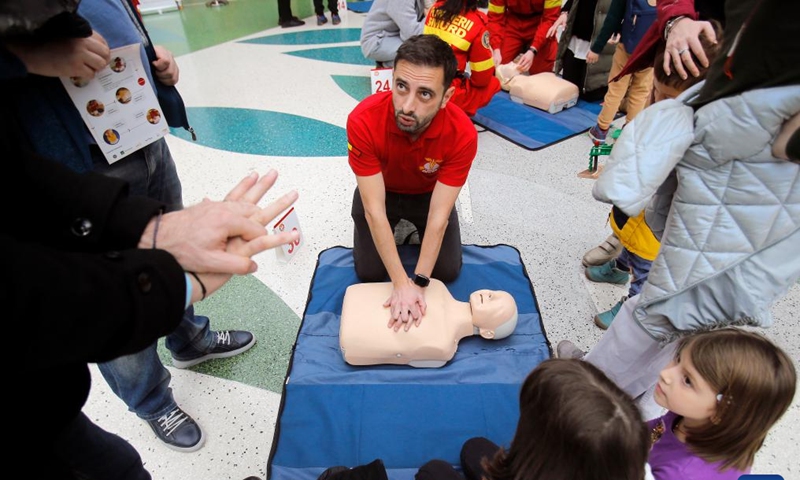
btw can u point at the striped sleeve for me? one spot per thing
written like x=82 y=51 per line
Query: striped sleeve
x=497 y=22
x=552 y=9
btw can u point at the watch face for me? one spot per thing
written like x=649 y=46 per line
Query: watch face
x=421 y=280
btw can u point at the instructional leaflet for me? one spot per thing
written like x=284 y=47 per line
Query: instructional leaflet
x=119 y=105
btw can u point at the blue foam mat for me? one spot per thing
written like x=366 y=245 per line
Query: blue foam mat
x=335 y=414
x=360 y=7
x=532 y=128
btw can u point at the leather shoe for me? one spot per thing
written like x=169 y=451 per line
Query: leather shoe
x=292 y=22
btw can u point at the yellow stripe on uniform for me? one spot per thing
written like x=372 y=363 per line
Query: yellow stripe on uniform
x=448 y=37
x=502 y=8
x=552 y=3
x=481 y=66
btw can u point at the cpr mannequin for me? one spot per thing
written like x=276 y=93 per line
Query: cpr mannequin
x=545 y=91
x=365 y=339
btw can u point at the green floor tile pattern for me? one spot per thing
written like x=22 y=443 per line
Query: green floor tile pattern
x=196 y=26
x=262 y=132
x=309 y=37
x=349 y=54
x=245 y=303
x=357 y=87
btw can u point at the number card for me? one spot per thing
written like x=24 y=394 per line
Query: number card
x=381 y=79
x=288 y=222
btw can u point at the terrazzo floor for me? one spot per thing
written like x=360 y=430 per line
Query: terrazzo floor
x=262 y=97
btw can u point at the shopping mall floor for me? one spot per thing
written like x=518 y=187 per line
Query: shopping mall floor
x=283 y=104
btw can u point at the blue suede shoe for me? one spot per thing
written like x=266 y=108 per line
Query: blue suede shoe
x=321 y=20
x=604 y=319
x=229 y=343
x=607 y=273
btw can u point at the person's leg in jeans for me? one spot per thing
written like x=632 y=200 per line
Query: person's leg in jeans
x=140 y=379
x=448 y=263
x=91 y=453
x=639 y=268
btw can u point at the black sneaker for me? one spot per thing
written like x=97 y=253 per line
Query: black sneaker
x=292 y=22
x=229 y=343
x=178 y=431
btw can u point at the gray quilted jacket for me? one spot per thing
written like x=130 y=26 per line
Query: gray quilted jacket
x=731 y=240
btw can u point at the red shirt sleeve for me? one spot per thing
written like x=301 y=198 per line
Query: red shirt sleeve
x=480 y=58
x=497 y=22
x=552 y=9
x=361 y=145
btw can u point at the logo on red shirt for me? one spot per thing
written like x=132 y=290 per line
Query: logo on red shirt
x=431 y=166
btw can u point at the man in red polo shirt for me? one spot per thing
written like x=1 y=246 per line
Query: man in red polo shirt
x=411 y=151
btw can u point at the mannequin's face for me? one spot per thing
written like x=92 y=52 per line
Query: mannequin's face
x=491 y=308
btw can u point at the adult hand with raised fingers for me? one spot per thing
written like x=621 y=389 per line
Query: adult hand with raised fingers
x=561 y=21
x=684 y=37
x=69 y=57
x=198 y=236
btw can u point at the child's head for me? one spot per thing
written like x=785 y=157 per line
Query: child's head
x=670 y=86
x=730 y=386
x=574 y=424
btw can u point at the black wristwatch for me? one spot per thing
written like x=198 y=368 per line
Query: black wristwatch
x=421 y=280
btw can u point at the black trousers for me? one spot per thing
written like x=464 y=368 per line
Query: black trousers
x=333 y=6
x=284 y=10
x=414 y=209
x=575 y=72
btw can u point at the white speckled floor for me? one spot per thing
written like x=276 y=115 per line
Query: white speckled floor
x=531 y=200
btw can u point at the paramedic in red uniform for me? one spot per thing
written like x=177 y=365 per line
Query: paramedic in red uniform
x=520 y=26
x=411 y=151
x=465 y=28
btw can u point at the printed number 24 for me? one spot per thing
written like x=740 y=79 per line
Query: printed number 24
x=383 y=86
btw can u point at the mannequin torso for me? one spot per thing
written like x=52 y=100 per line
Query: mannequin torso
x=365 y=338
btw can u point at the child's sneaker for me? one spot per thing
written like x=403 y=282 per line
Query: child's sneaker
x=607 y=273
x=604 y=319
x=321 y=20
x=336 y=19
x=598 y=134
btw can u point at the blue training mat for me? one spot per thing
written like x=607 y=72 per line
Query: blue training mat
x=335 y=414
x=360 y=7
x=532 y=128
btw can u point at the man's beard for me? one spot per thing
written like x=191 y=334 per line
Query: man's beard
x=418 y=125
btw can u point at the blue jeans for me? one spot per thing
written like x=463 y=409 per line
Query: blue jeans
x=639 y=268
x=140 y=380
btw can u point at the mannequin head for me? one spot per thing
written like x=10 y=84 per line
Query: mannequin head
x=494 y=313
x=505 y=73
